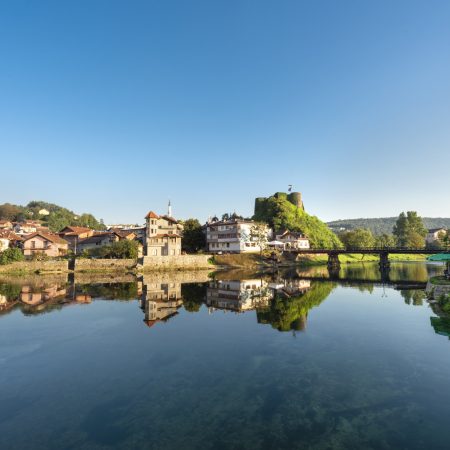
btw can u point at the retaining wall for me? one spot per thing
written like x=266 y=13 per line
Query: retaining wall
x=35 y=266
x=175 y=262
x=104 y=264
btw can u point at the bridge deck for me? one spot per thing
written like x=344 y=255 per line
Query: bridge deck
x=365 y=251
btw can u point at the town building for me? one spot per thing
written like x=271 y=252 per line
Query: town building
x=6 y=225
x=163 y=235
x=8 y=239
x=232 y=236
x=293 y=240
x=434 y=234
x=97 y=240
x=44 y=243
x=73 y=235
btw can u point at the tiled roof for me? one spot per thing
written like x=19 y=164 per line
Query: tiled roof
x=10 y=235
x=75 y=230
x=166 y=235
x=169 y=219
x=48 y=236
x=152 y=215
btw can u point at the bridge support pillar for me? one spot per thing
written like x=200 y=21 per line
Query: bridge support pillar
x=333 y=260
x=385 y=264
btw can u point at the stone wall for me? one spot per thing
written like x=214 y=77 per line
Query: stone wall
x=175 y=262
x=35 y=266
x=104 y=264
x=434 y=291
x=181 y=276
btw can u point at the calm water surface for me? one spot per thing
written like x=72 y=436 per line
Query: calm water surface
x=293 y=360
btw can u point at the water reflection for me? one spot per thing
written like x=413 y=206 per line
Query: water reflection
x=234 y=378
x=280 y=299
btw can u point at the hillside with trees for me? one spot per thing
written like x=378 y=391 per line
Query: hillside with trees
x=279 y=213
x=383 y=225
x=57 y=218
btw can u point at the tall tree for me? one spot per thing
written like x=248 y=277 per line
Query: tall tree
x=409 y=230
x=357 y=239
x=193 y=237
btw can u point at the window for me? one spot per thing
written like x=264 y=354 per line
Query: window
x=155 y=252
x=33 y=244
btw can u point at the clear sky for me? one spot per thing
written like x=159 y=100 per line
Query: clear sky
x=113 y=107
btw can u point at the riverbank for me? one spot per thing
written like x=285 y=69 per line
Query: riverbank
x=252 y=260
x=185 y=262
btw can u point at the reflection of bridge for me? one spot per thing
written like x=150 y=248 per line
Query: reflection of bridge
x=382 y=252
x=398 y=284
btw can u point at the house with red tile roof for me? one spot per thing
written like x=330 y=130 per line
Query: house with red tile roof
x=44 y=243
x=8 y=239
x=73 y=235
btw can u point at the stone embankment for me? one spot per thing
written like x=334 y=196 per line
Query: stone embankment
x=435 y=291
x=182 y=262
x=81 y=265
x=35 y=267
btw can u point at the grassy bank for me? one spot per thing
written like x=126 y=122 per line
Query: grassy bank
x=318 y=260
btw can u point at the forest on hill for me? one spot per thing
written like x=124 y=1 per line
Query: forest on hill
x=280 y=213
x=383 y=225
x=54 y=216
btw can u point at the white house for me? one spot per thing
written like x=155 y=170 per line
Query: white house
x=293 y=240
x=232 y=236
x=433 y=235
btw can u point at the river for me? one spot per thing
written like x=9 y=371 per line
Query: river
x=292 y=360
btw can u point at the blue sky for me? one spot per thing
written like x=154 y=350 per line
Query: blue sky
x=113 y=107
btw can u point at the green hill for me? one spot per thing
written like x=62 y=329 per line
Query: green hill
x=58 y=217
x=280 y=213
x=384 y=224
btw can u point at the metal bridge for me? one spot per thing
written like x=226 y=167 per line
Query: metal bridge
x=383 y=252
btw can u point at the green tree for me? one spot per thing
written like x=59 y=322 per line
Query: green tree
x=357 y=239
x=193 y=237
x=385 y=240
x=258 y=235
x=123 y=249
x=11 y=255
x=280 y=214
x=409 y=230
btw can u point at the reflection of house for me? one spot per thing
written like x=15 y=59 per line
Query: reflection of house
x=293 y=240
x=291 y=286
x=434 y=234
x=163 y=235
x=35 y=297
x=238 y=295
x=73 y=235
x=160 y=301
x=45 y=243
x=231 y=236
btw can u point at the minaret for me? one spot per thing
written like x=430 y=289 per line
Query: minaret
x=169 y=209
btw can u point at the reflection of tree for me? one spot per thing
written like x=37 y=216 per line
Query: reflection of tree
x=111 y=291
x=286 y=314
x=10 y=291
x=441 y=325
x=194 y=295
x=414 y=297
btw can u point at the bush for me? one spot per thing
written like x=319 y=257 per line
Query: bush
x=121 y=250
x=11 y=255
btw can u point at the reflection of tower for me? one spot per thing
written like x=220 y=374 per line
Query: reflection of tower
x=169 y=209
x=160 y=301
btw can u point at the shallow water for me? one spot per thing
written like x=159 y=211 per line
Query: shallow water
x=292 y=360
